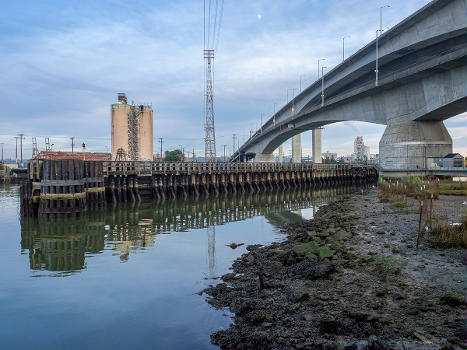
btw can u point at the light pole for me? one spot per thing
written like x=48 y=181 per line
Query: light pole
x=224 y=152
x=2 y=150
x=343 y=46
x=274 y=115
x=322 y=86
x=377 y=59
x=381 y=17
x=72 y=143
x=293 y=96
x=380 y=31
x=21 y=146
x=84 y=151
x=261 y=123
x=321 y=59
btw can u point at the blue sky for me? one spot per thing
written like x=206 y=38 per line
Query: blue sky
x=63 y=63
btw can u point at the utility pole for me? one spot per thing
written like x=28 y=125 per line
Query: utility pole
x=233 y=144
x=224 y=152
x=162 y=156
x=193 y=159
x=1 y=143
x=72 y=143
x=84 y=151
x=21 y=146
x=322 y=86
x=16 y=152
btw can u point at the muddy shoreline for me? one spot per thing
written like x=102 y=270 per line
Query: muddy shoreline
x=351 y=278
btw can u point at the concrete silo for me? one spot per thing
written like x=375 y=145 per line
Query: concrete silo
x=132 y=130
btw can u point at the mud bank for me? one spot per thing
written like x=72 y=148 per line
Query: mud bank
x=351 y=278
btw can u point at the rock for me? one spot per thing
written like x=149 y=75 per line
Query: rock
x=250 y=259
x=312 y=270
x=374 y=343
x=412 y=311
x=228 y=276
x=380 y=232
x=253 y=247
x=397 y=296
x=312 y=234
x=297 y=291
x=452 y=298
x=328 y=325
x=324 y=233
x=307 y=250
x=343 y=235
x=325 y=252
x=395 y=250
x=381 y=292
x=308 y=316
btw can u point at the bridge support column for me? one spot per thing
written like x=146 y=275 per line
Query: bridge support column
x=297 y=149
x=413 y=146
x=316 y=145
x=264 y=158
x=281 y=153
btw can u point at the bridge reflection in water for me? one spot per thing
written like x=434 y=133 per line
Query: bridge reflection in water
x=63 y=245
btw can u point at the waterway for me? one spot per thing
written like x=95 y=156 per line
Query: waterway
x=127 y=276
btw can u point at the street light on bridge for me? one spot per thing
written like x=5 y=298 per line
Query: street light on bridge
x=378 y=33
x=343 y=46
x=322 y=86
x=321 y=59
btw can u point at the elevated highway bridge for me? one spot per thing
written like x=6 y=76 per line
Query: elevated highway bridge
x=422 y=82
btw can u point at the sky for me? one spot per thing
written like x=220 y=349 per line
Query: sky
x=63 y=63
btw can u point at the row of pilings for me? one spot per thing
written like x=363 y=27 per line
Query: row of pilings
x=62 y=188
x=68 y=188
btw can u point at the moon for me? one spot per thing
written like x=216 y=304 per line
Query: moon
x=259 y=15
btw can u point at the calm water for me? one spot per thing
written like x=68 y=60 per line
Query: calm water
x=127 y=276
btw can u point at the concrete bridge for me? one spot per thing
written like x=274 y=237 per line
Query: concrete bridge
x=422 y=81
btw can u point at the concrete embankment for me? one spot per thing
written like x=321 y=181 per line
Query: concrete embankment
x=351 y=278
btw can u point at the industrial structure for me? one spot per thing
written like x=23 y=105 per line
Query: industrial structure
x=132 y=130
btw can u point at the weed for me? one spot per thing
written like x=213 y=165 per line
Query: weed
x=446 y=236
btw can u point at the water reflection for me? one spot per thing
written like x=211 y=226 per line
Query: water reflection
x=62 y=246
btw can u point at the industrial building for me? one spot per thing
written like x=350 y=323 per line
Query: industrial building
x=132 y=130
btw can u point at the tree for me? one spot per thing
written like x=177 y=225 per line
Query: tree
x=174 y=156
x=328 y=160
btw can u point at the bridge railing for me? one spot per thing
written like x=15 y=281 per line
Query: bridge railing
x=148 y=168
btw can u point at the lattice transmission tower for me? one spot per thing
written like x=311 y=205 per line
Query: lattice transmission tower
x=210 y=134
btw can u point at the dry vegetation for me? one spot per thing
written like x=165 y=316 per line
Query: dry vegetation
x=440 y=234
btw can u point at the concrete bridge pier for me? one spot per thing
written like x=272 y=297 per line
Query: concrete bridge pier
x=264 y=158
x=316 y=145
x=281 y=153
x=297 y=149
x=413 y=145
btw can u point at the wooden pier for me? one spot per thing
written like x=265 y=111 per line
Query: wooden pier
x=68 y=188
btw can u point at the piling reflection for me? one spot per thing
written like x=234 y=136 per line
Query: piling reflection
x=62 y=246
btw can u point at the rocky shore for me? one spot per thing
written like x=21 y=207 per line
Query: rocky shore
x=351 y=278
